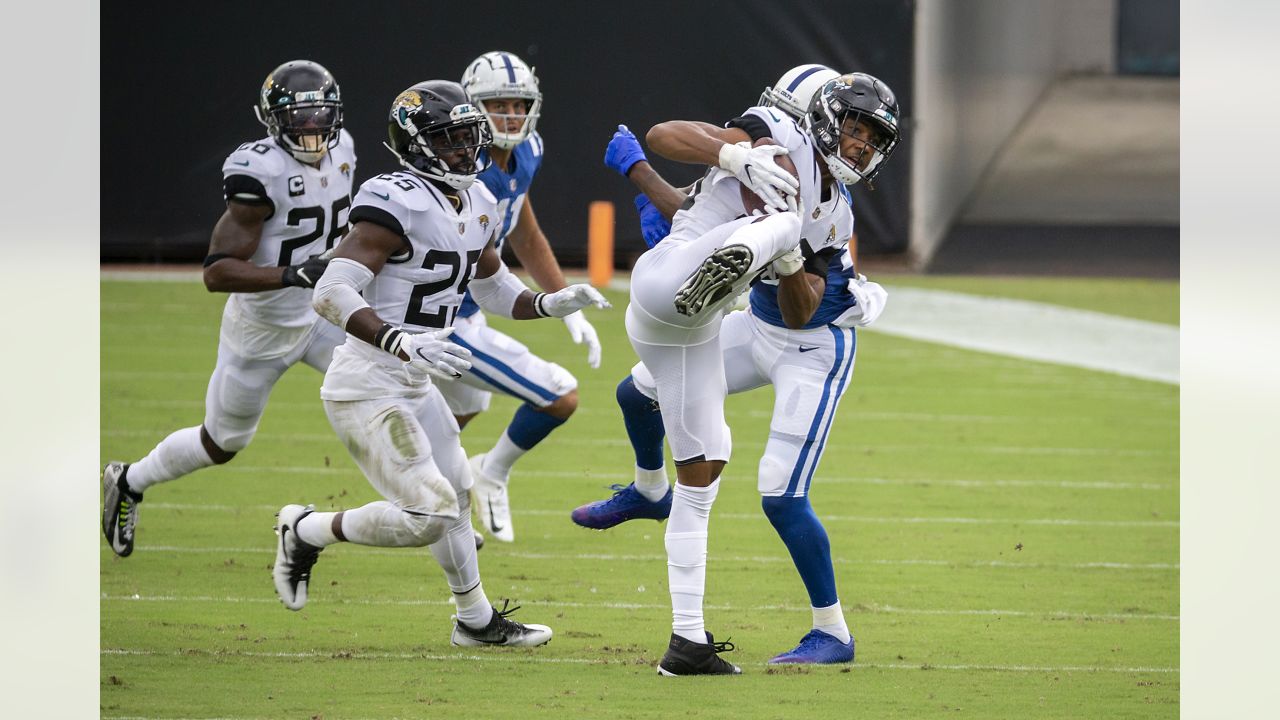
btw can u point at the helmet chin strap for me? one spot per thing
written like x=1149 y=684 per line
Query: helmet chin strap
x=454 y=180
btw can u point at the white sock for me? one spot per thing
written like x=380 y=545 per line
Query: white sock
x=456 y=555
x=830 y=620
x=498 y=461
x=474 y=609
x=316 y=529
x=382 y=524
x=653 y=484
x=179 y=454
x=686 y=542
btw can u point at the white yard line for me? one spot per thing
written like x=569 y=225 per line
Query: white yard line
x=878 y=609
x=513 y=658
x=756 y=516
x=1034 y=331
x=655 y=558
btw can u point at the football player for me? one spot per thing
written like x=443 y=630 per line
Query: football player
x=505 y=89
x=287 y=198
x=420 y=238
x=796 y=337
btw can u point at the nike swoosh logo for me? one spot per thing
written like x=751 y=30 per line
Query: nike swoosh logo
x=418 y=352
x=384 y=197
x=807 y=349
x=245 y=163
x=496 y=528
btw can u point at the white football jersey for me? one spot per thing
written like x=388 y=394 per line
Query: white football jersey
x=420 y=288
x=716 y=198
x=309 y=216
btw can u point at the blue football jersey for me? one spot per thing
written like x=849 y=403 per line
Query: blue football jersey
x=511 y=189
x=836 y=298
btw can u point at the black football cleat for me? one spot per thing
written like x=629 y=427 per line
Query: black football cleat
x=686 y=657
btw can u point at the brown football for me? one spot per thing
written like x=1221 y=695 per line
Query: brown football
x=752 y=202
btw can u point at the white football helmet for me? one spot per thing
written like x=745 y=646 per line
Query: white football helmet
x=500 y=74
x=794 y=91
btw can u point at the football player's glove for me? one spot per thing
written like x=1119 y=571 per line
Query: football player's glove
x=582 y=332
x=756 y=170
x=623 y=151
x=653 y=226
x=568 y=301
x=431 y=352
x=307 y=273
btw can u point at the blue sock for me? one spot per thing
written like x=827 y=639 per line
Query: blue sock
x=806 y=539
x=644 y=424
x=528 y=427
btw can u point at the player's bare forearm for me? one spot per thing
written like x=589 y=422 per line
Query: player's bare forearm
x=689 y=141
x=235 y=239
x=799 y=296
x=534 y=252
x=365 y=324
x=662 y=194
x=523 y=309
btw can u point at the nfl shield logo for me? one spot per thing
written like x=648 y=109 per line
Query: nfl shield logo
x=462 y=228
x=513 y=184
x=324 y=182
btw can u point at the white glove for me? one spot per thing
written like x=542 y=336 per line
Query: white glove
x=871 y=298
x=788 y=263
x=581 y=331
x=569 y=300
x=431 y=353
x=754 y=167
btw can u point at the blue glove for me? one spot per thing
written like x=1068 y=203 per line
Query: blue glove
x=653 y=226
x=623 y=151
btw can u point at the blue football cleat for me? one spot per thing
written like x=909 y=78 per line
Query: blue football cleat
x=817 y=648
x=626 y=504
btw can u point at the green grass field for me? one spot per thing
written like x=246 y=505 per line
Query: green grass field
x=1005 y=536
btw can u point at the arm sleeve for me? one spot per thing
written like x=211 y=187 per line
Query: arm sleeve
x=245 y=189
x=498 y=292
x=337 y=295
x=752 y=125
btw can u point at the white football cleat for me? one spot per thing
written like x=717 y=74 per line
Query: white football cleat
x=294 y=558
x=500 y=631
x=491 y=503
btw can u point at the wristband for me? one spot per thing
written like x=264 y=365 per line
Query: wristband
x=537 y=305
x=389 y=339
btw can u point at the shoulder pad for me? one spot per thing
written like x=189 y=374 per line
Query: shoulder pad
x=262 y=160
x=480 y=193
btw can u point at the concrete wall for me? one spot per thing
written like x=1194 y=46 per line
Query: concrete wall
x=980 y=66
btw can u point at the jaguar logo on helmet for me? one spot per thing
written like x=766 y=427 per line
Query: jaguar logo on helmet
x=405 y=103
